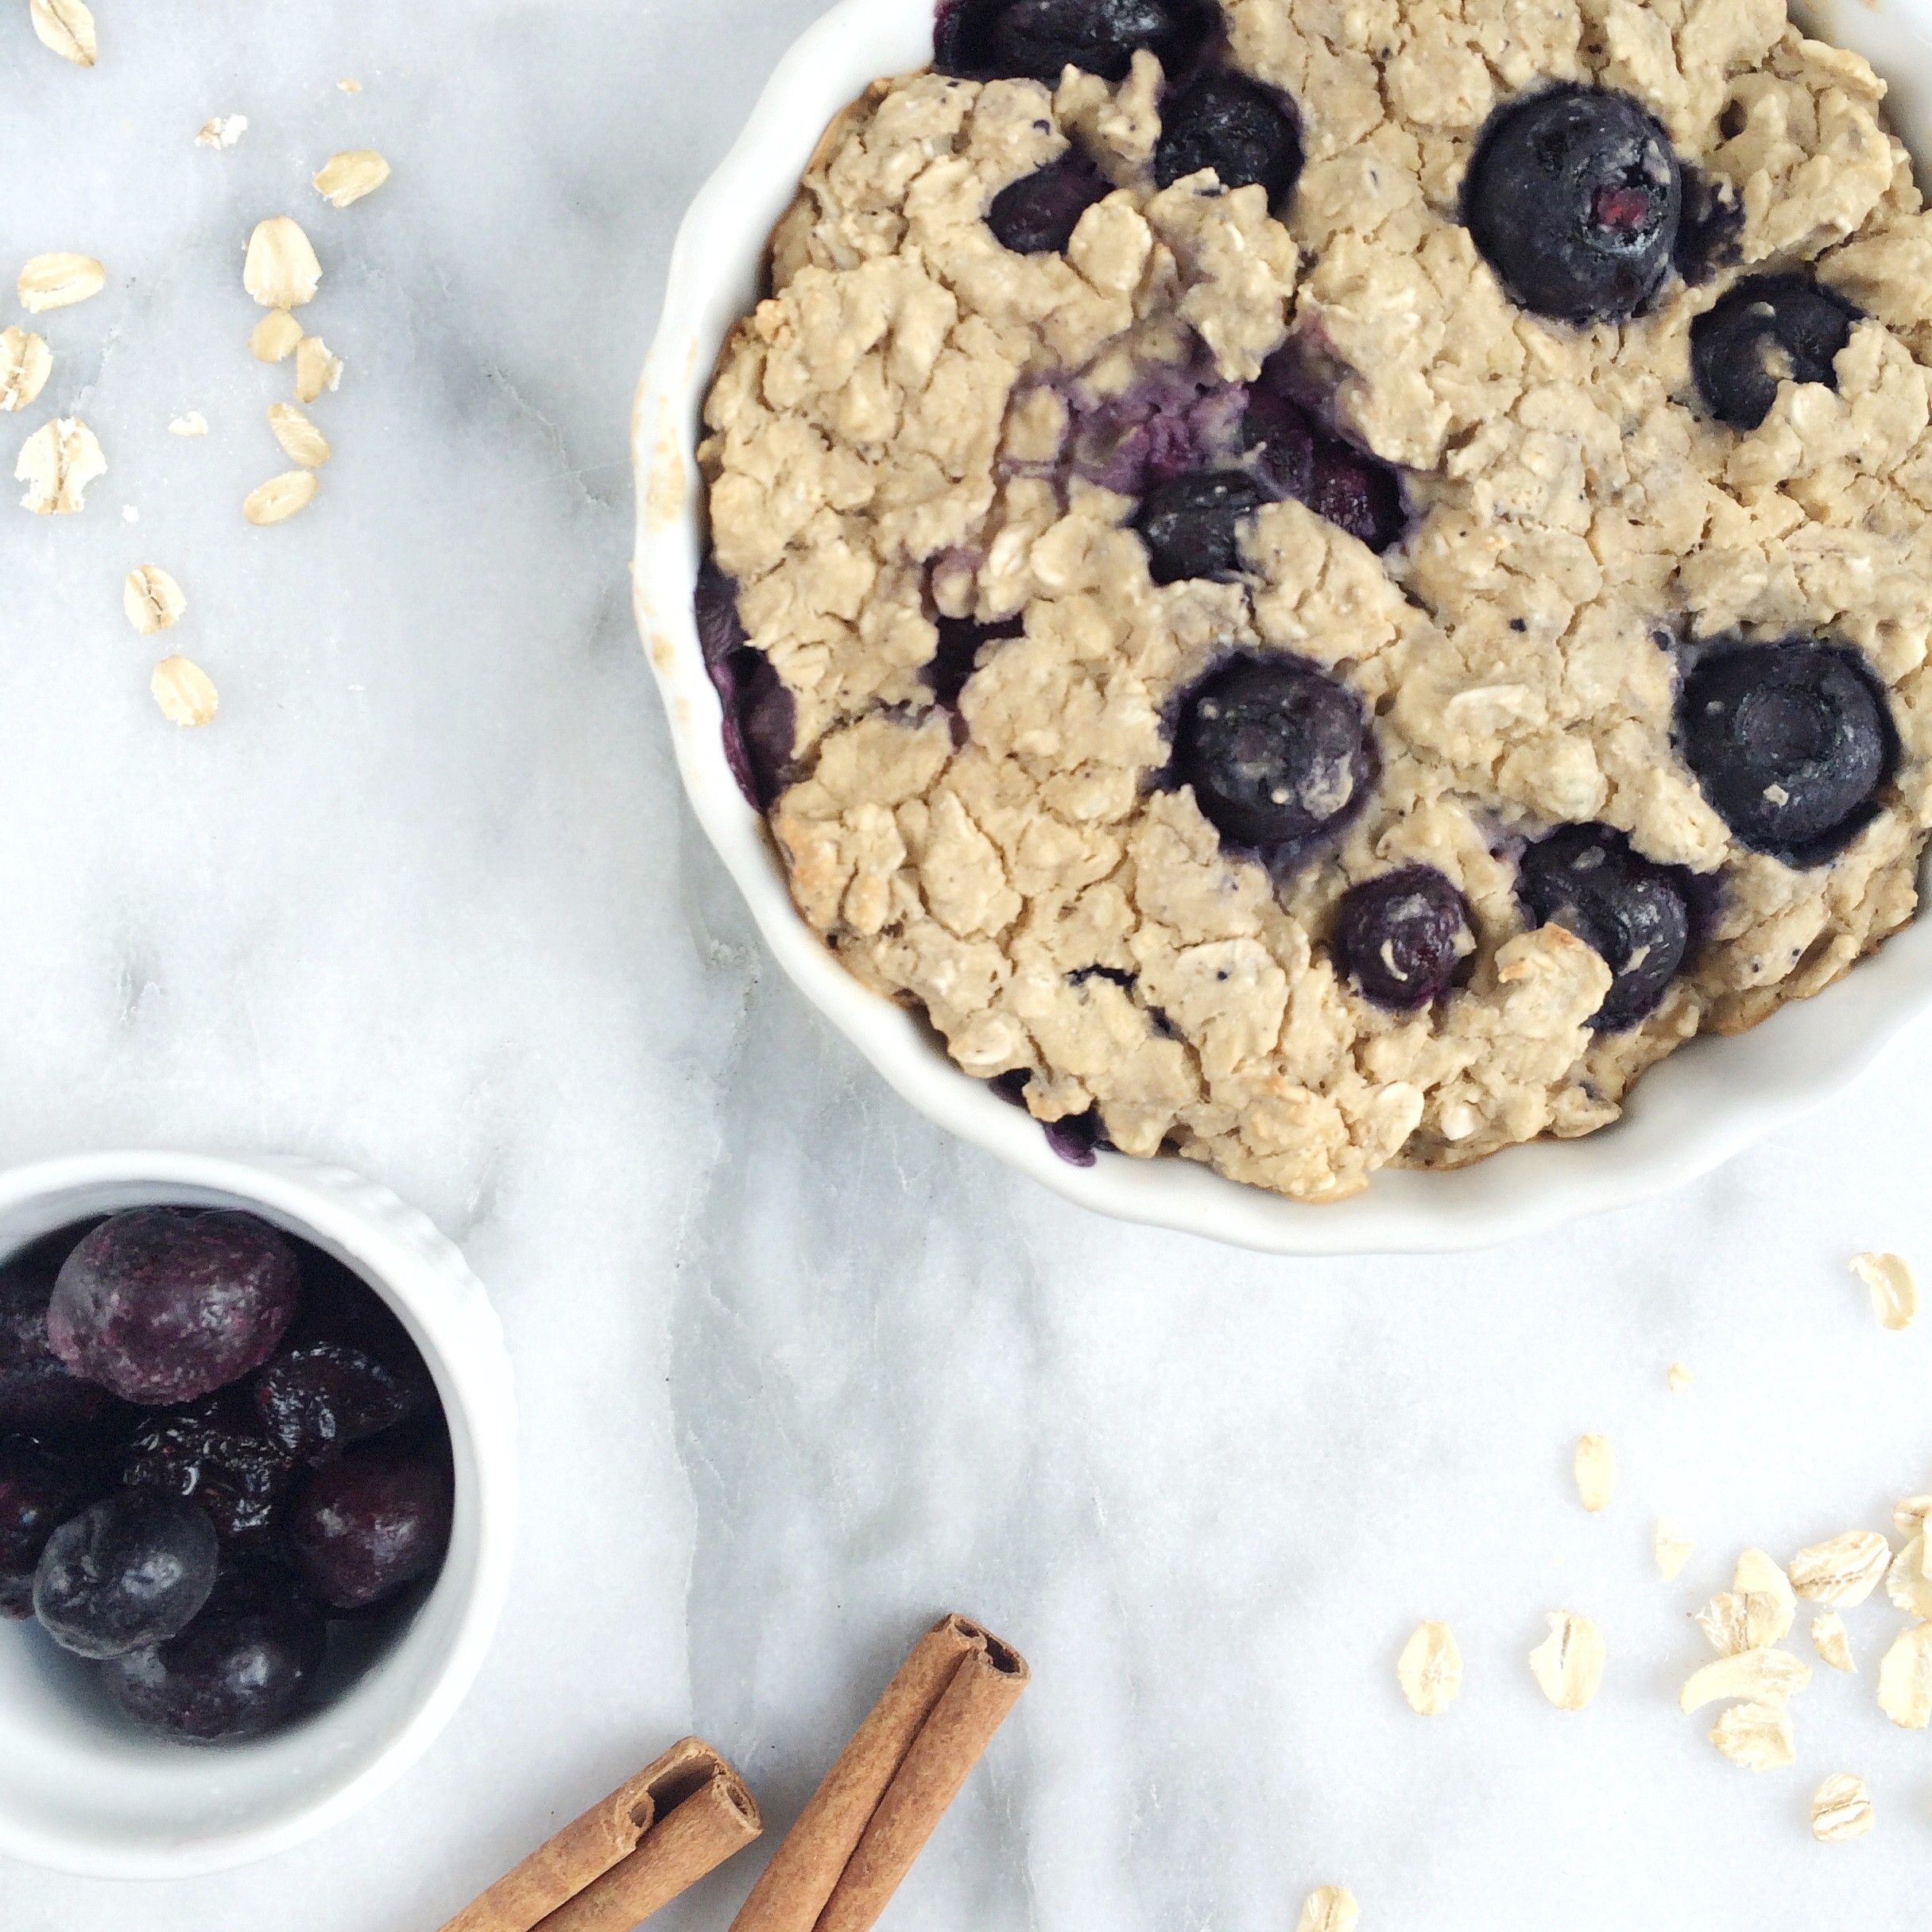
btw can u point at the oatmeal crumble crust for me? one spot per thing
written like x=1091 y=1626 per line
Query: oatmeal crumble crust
x=888 y=444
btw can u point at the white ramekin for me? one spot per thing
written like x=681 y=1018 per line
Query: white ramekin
x=84 y=1792
x=1697 y=1109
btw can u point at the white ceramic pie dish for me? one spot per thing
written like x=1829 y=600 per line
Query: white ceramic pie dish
x=1699 y=1107
x=80 y=1789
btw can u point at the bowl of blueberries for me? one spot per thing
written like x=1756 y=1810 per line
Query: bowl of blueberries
x=257 y=1501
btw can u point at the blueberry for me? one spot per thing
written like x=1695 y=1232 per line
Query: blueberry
x=1278 y=753
x=1190 y=523
x=1710 y=228
x=1634 y=912
x=958 y=655
x=1037 y=214
x=1300 y=458
x=214 y=1452
x=240 y=1668
x=163 y=1304
x=316 y=1401
x=1038 y=39
x=1574 y=197
x=760 y=715
x=1764 y=328
x=1245 y=132
x=1402 y=936
x=1358 y=493
x=362 y=1527
x=39 y=1395
x=1790 y=741
x=16 y=1595
x=39 y=1491
x=130 y=1570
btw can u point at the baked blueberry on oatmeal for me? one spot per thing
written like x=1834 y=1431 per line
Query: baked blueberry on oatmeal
x=1320 y=588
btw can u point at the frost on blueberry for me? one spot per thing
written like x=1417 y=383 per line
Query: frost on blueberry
x=1636 y=914
x=1277 y=753
x=1791 y=741
x=1764 y=330
x=1574 y=197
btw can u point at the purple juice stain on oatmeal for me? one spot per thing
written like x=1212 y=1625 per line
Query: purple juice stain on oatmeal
x=760 y=715
x=1170 y=422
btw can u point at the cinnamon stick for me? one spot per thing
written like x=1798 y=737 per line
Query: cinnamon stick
x=874 y=1810
x=631 y=1831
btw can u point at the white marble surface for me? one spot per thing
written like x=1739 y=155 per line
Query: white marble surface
x=797 y=1372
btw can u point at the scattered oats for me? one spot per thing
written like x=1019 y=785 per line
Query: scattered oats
x=1844 y=1572
x=1905 y=1678
x=1569 y=1662
x=301 y=441
x=1828 y=1639
x=1907 y=1582
x=1840 y=1808
x=1329 y=1908
x=1755 y=1735
x=280 y=497
x=1894 y=1295
x=281 y=270
x=315 y=369
x=59 y=281
x=57 y=463
x=64 y=27
x=1672 y=1549
x=349 y=87
x=1430 y=1670
x=1754 y=1676
x=220 y=133
x=349 y=177
x=193 y=424
x=1680 y=1378
x=152 y=599
x=184 y=692
x=1596 y=1465
x=1909 y=1514
x=275 y=337
x=24 y=363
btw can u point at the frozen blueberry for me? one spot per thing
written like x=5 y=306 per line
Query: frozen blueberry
x=1401 y=937
x=1038 y=39
x=1764 y=328
x=316 y=1401
x=1277 y=752
x=1790 y=741
x=760 y=715
x=1245 y=132
x=39 y=1395
x=1037 y=214
x=241 y=1667
x=1189 y=524
x=39 y=1491
x=130 y=1570
x=209 y=1451
x=362 y=1527
x=163 y=1304
x=958 y=655
x=1574 y=197
x=1633 y=912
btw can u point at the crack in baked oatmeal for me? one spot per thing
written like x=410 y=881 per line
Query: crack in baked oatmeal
x=1320 y=586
